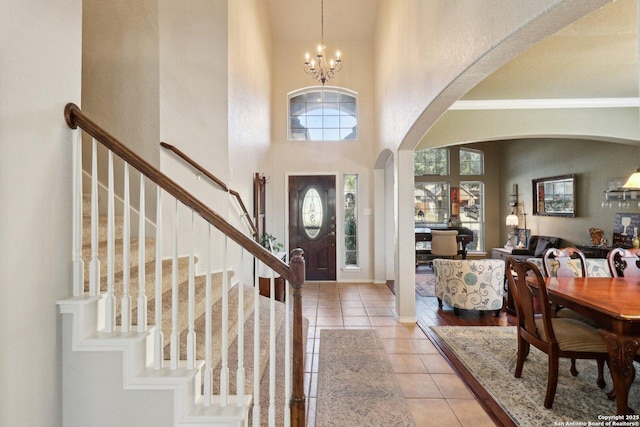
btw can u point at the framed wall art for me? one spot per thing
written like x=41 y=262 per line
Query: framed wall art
x=555 y=196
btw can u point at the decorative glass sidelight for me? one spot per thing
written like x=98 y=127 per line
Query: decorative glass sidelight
x=312 y=213
x=350 y=220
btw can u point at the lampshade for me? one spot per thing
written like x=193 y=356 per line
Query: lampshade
x=512 y=220
x=633 y=181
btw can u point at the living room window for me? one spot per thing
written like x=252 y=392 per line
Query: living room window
x=437 y=178
x=472 y=211
x=431 y=204
x=323 y=114
x=431 y=161
x=471 y=162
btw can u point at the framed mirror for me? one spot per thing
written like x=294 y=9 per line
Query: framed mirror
x=555 y=196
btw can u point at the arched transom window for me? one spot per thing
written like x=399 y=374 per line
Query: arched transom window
x=323 y=114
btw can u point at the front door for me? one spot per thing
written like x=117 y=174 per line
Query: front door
x=312 y=223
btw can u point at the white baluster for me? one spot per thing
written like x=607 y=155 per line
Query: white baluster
x=240 y=373
x=77 y=202
x=256 y=346
x=94 y=265
x=125 y=317
x=272 y=351
x=159 y=341
x=191 y=333
x=224 y=368
x=174 y=344
x=142 y=286
x=208 y=370
x=110 y=301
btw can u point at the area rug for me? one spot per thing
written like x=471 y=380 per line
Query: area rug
x=489 y=354
x=356 y=383
x=425 y=284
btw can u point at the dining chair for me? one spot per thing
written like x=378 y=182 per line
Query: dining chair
x=444 y=243
x=565 y=262
x=557 y=337
x=625 y=261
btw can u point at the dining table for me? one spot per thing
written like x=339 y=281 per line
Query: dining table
x=614 y=304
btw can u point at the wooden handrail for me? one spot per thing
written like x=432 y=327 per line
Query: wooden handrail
x=75 y=118
x=213 y=178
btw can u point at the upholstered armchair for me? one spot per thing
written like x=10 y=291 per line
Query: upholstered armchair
x=470 y=284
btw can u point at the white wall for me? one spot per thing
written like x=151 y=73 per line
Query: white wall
x=194 y=115
x=249 y=97
x=40 y=42
x=297 y=158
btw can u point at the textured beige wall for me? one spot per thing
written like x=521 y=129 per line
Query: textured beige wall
x=41 y=49
x=593 y=163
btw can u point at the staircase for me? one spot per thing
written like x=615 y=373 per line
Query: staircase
x=178 y=351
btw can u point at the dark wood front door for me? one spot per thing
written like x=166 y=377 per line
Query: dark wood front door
x=312 y=223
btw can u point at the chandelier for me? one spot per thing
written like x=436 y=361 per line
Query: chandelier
x=322 y=70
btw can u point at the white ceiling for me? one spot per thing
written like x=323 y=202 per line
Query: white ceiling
x=343 y=19
x=595 y=57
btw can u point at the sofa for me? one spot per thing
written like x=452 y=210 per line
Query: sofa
x=536 y=247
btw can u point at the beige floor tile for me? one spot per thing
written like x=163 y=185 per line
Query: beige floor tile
x=383 y=321
x=391 y=332
x=419 y=386
x=356 y=321
x=356 y=311
x=470 y=413
x=329 y=312
x=408 y=364
x=451 y=386
x=436 y=364
x=432 y=413
x=351 y=304
x=424 y=346
x=414 y=331
x=328 y=321
x=397 y=346
x=379 y=311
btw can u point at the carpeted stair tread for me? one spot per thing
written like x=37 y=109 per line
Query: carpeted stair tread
x=216 y=316
x=249 y=329
x=149 y=254
x=199 y=309
x=150 y=277
x=118 y=229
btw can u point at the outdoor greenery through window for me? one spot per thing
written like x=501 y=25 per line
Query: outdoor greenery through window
x=471 y=162
x=431 y=161
x=323 y=114
x=472 y=212
x=350 y=220
x=436 y=179
x=431 y=205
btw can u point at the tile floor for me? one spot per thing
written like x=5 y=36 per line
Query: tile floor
x=435 y=394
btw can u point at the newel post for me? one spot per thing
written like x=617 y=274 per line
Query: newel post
x=297 y=402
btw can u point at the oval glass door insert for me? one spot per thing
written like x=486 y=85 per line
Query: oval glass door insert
x=312 y=213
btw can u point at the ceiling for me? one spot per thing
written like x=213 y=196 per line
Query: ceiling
x=594 y=57
x=343 y=19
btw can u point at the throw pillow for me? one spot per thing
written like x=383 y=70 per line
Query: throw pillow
x=542 y=246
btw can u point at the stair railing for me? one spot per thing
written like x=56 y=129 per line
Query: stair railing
x=294 y=406
x=201 y=170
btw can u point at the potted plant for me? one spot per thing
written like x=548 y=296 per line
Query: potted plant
x=270 y=242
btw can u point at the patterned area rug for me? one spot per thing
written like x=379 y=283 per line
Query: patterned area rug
x=356 y=383
x=425 y=284
x=489 y=353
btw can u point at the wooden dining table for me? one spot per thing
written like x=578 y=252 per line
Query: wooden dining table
x=614 y=303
